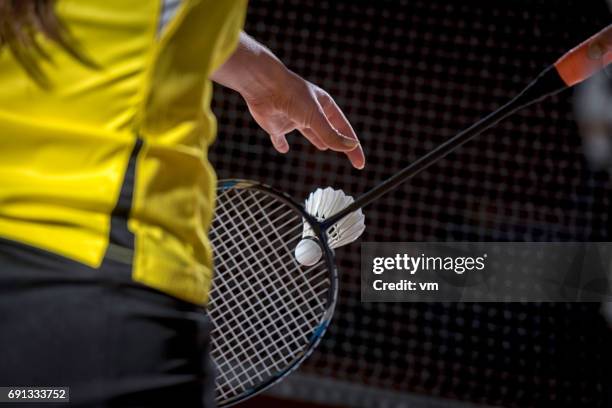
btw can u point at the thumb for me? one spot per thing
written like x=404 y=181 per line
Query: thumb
x=321 y=126
x=279 y=142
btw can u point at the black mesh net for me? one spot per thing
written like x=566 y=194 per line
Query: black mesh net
x=410 y=74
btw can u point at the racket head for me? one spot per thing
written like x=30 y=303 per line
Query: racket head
x=268 y=312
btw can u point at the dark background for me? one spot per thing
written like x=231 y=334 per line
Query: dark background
x=410 y=74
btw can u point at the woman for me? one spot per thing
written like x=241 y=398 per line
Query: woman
x=106 y=195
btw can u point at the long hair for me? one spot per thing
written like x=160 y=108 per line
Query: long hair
x=21 y=24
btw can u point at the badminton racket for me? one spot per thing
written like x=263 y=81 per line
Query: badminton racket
x=269 y=312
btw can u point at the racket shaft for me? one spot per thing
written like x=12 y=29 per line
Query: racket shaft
x=547 y=83
x=573 y=67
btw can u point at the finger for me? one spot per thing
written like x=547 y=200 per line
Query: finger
x=324 y=130
x=356 y=157
x=279 y=142
x=339 y=121
x=313 y=138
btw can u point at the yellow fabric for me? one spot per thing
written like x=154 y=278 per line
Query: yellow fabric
x=64 y=148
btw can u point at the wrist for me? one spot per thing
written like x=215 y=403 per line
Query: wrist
x=253 y=71
x=264 y=76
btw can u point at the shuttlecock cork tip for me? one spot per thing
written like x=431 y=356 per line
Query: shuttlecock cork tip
x=308 y=252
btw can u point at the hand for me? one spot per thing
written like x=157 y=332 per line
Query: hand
x=297 y=104
x=281 y=101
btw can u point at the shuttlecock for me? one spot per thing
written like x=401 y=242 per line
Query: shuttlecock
x=321 y=204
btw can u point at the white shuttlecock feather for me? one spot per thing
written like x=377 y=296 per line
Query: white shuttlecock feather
x=323 y=203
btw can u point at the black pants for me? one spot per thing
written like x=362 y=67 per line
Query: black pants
x=112 y=341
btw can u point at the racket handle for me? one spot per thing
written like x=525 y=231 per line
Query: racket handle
x=587 y=58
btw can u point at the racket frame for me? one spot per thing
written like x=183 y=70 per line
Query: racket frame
x=332 y=293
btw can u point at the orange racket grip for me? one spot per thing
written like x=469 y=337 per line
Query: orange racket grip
x=587 y=58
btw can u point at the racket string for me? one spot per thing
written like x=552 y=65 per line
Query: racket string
x=264 y=305
x=275 y=315
x=295 y=263
x=276 y=292
x=221 y=210
x=252 y=308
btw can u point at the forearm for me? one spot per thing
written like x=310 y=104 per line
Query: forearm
x=252 y=69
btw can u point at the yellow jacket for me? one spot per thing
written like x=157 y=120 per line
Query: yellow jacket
x=110 y=160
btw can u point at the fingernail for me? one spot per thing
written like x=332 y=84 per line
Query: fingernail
x=348 y=142
x=283 y=148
